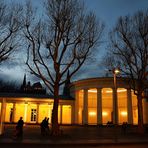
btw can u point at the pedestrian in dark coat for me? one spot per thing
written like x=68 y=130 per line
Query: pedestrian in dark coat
x=19 y=128
x=47 y=126
x=43 y=126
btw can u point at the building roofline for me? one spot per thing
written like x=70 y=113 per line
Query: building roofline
x=25 y=95
x=97 y=78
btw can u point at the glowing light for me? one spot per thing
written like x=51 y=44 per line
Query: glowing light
x=79 y=112
x=105 y=113
x=92 y=113
x=121 y=90
x=116 y=71
x=124 y=113
x=92 y=90
x=108 y=91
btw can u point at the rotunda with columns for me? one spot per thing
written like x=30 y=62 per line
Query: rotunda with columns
x=95 y=102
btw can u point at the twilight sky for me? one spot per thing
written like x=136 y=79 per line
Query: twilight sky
x=107 y=10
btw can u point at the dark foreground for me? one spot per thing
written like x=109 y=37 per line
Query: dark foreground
x=75 y=137
x=74 y=146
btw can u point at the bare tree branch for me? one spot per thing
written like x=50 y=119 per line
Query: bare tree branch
x=129 y=47
x=62 y=40
x=9 y=27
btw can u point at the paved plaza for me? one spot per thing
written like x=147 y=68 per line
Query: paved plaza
x=76 y=135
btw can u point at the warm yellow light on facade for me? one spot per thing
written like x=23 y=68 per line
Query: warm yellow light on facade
x=107 y=91
x=25 y=112
x=92 y=113
x=92 y=90
x=122 y=90
x=124 y=113
x=105 y=113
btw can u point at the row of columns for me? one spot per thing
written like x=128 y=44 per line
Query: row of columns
x=99 y=106
x=2 y=116
x=3 y=110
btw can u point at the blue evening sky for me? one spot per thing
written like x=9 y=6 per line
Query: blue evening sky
x=108 y=11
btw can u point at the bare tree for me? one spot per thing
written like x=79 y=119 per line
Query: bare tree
x=129 y=51
x=64 y=42
x=9 y=26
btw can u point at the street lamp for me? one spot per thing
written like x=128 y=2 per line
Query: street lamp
x=115 y=105
x=115 y=72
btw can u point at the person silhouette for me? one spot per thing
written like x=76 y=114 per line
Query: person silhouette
x=47 y=126
x=19 y=127
x=43 y=126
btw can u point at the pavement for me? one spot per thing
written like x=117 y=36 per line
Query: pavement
x=76 y=135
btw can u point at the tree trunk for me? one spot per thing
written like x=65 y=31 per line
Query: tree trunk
x=55 y=126
x=140 y=114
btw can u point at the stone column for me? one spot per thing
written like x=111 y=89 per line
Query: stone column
x=85 y=109
x=37 y=114
x=115 y=106
x=14 y=112
x=2 y=117
x=72 y=114
x=61 y=110
x=145 y=111
x=76 y=116
x=99 y=106
x=129 y=107
x=25 y=112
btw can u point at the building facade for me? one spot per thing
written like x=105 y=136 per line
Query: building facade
x=91 y=102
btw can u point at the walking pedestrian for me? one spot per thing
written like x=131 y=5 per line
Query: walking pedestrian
x=19 y=128
x=43 y=126
x=47 y=126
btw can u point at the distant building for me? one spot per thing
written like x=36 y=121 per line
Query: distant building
x=34 y=88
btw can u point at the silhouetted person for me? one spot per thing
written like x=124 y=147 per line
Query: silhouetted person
x=124 y=127
x=19 y=128
x=47 y=126
x=43 y=126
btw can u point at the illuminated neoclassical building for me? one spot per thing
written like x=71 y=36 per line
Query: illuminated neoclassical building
x=89 y=101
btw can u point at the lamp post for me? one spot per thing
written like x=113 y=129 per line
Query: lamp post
x=115 y=105
x=115 y=71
